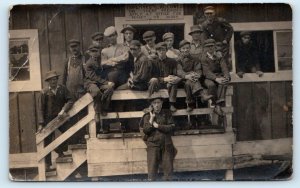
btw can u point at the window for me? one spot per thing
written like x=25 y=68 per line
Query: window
x=24 y=62
x=284 y=49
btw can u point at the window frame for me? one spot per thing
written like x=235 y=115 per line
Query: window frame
x=34 y=83
x=278 y=75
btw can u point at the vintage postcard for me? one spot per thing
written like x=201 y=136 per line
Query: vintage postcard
x=150 y=92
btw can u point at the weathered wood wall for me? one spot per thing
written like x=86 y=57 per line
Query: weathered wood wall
x=57 y=24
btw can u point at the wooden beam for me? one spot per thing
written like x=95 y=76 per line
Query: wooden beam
x=139 y=114
x=55 y=123
x=23 y=160
x=45 y=151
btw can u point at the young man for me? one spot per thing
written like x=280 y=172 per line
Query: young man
x=55 y=100
x=197 y=41
x=164 y=75
x=216 y=74
x=128 y=33
x=114 y=59
x=97 y=39
x=168 y=38
x=73 y=77
x=247 y=60
x=190 y=70
x=100 y=89
x=149 y=48
x=158 y=125
x=217 y=28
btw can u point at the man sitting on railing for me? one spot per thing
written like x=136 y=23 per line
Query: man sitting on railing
x=216 y=74
x=190 y=70
x=55 y=100
x=100 y=89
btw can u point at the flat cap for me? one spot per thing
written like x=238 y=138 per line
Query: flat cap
x=148 y=34
x=93 y=47
x=209 y=42
x=135 y=43
x=183 y=42
x=74 y=42
x=196 y=28
x=156 y=95
x=109 y=31
x=97 y=34
x=243 y=33
x=167 y=35
x=209 y=9
x=161 y=45
x=128 y=27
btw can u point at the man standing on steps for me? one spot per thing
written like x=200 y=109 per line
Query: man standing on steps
x=197 y=41
x=54 y=101
x=158 y=125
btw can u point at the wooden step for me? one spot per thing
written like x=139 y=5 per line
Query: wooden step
x=66 y=159
x=77 y=146
x=51 y=173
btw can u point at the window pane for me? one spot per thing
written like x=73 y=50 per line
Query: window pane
x=284 y=50
x=19 y=62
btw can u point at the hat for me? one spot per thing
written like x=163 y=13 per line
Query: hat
x=51 y=74
x=167 y=35
x=93 y=47
x=128 y=27
x=96 y=35
x=135 y=43
x=243 y=33
x=209 y=42
x=109 y=31
x=73 y=42
x=156 y=95
x=183 y=42
x=160 y=45
x=209 y=9
x=196 y=28
x=148 y=34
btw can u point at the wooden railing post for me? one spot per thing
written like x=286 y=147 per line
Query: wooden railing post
x=92 y=124
x=228 y=103
x=41 y=163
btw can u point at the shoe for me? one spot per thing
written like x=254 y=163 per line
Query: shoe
x=204 y=96
x=218 y=110
x=172 y=108
x=189 y=109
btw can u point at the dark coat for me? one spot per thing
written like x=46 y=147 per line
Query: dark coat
x=246 y=57
x=214 y=67
x=49 y=104
x=142 y=70
x=188 y=64
x=93 y=72
x=164 y=68
x=218 y=30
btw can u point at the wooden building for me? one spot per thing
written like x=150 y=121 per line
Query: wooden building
x=258 y=102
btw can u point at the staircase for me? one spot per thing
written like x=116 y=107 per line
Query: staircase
x=67 y=165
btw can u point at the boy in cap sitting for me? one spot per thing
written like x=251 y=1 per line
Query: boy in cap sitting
x=168 y=38
x=190 y=70
x=128 y=33
x=158 y=126
x=149 y=48
x=164 y=74
x=216 y=74
x=247 y=59
x=54 y=101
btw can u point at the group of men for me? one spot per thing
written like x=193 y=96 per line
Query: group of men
x=199 y=66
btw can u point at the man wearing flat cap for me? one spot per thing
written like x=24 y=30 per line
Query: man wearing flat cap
x=149 y=48
x=128 y=33
x=216 y=74
x=197 y=41
x=157 y=126
x=217 y=28
x=97 y=39
x=73 y=77
x=100 y=89
x=190 y=70
x=114 y=58
x=164 y=74
x=168 y=38
x=246 y=53
x=54 y=101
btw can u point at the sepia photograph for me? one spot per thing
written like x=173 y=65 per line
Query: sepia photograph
x=150 y=92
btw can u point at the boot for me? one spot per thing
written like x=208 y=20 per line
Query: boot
x=189 y=108
x=218 y=110
x=204 y=96
x=172 y=108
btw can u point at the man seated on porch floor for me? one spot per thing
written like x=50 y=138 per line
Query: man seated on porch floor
x=54 y=101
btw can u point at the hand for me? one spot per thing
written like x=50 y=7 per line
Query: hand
x=168 y=79
x=189 y=77
x=111 y=84
x=259 y=73
x=152 y=115
x=155 y=125
x=220 y=80
x=152 y=56
x=240 y=74
x=224 y=41
x=39 y=128
x=175 y=80
x=61 y=115
x=129 y=82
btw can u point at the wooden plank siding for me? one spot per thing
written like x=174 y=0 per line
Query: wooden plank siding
x=57 y=24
